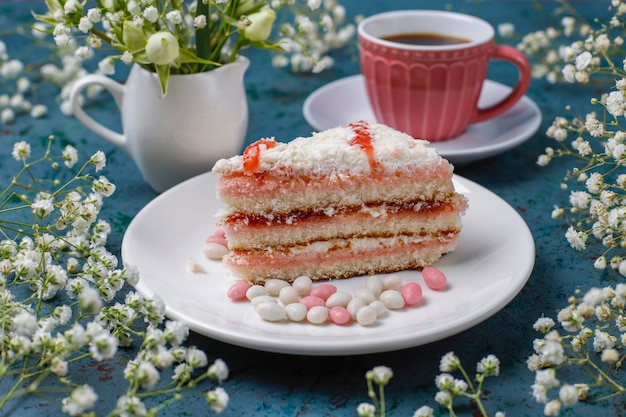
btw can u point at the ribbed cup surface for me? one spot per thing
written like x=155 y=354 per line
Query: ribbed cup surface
x=428 y=94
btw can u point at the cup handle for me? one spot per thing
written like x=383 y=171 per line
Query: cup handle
x=512 y=55
x=115 y=89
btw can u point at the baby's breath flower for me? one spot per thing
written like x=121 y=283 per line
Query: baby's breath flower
x=151 y=14
x=449 y=362
x=424 y=411
x=182 y=373
x=544 y=324
x=175 y=332
x=130 y=406
x=218 y=370
x=610 y=356
x=444 y=398
x=552 y=408
x=547 y=378
x=106 y=66
x=539 y=393
x=21 y=151
x=80 y=400
x=24 y=323
x=381 y=375
x=217 y=399
x=98 y=160
x=489 y=366
x=103 y=346
x=90 y=300
x=444 y=382
x=603 y=340
x=200 y=22
x=127 y=58
x=38 y=111
x=103 y=186
x=550 y=352
x=363 y=410
x=42 y=208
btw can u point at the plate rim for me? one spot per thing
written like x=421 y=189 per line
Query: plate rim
x=326 y=348
x=464 y=155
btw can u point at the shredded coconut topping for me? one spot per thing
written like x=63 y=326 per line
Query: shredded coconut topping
x=326 y=151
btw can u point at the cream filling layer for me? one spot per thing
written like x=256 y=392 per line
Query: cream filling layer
x=354 y=245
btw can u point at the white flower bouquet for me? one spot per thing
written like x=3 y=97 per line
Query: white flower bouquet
x=182 y=37
x=63 y=301
x=596 y=141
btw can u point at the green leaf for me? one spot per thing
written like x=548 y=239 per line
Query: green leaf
x=163 y=72
x=141 y=58
x=54 y=6
x=185 y=56
x=133 y=37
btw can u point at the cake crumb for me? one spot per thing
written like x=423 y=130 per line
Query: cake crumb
x=195 y=267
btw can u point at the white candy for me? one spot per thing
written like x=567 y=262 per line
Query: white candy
x=317 y=314
x=288 y=295
x=366 y=294
x=392 y=299
x=339 y=299
x=392 y=282
x=214 y=251
x=303 y=285
x=366 y=316
x=263 y=299
x=255 y=291
x=271 y=311
x=375 y=284
x=296 y=311
x=273 y=286
x=354 y=305
x=380 y=307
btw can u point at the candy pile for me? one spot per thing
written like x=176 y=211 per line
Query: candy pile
x=277 y=300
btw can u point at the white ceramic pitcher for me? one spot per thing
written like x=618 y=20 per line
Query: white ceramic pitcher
x=203 y=117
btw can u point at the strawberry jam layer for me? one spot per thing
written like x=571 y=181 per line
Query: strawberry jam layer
x=422 y=210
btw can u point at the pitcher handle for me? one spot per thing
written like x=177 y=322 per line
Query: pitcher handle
x=115 y=89
x=515 y=57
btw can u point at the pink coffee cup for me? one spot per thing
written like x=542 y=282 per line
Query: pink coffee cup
x=431 y=91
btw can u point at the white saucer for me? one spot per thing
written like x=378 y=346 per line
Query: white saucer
x=493 y=260
x=344 y=101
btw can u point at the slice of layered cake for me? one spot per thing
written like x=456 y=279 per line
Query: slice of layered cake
x=352 y=200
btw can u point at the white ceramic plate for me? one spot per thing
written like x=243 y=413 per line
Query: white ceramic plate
x=491 y=264
x=344 y=101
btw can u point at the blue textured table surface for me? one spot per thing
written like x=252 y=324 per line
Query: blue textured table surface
x=273 y=384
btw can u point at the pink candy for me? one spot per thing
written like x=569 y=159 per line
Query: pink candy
x=312 y=301
x=218 y=237
x=339 y=315
x=323 y=291
x=434 y=278
x=411 y=293
x=237 y=291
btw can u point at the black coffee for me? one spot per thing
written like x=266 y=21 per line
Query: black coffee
x=426 y=39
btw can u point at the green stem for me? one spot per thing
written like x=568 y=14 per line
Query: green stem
x=381 y=393
x=13 y=393
x=203 y=36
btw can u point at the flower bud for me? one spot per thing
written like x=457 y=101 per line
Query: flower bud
x=244 y=7
x=260 y=25
x=162 y=48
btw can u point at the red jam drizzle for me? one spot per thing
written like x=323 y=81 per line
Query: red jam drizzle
x=252 y=154
x=363 y=140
